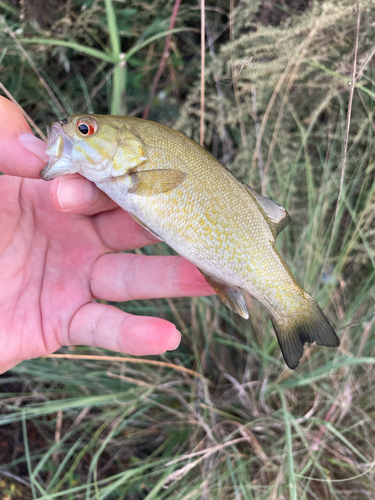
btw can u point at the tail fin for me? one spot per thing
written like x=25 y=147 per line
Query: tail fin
x=294 y=334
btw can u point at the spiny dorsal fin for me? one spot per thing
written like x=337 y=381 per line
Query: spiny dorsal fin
x=230 y=295
x=152 y=182
x=277 y=217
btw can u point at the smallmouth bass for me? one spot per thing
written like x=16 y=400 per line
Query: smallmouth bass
x=185 y=197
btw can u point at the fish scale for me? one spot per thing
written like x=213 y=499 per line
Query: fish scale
x=188 y=199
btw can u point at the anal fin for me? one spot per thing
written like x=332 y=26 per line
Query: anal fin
x=230 y=295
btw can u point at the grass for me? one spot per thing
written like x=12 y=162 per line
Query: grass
x=221 y=417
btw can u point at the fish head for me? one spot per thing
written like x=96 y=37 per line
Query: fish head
x=88 y=145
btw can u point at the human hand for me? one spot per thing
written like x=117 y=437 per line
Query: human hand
x=55 y=244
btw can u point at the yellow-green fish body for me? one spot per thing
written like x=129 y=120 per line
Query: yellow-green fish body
x=184 y=196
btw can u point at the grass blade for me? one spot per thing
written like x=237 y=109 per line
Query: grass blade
x=289 y=447
x=99 y=54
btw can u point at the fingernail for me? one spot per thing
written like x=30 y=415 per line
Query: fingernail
x=174 y=341
x=72 y=193
x=35 y=146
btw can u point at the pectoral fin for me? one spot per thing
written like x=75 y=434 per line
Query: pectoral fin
x=230 y=295
x=277 y=217
x=152 y=182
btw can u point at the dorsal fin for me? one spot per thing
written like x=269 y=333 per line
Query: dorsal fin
x=276 y=215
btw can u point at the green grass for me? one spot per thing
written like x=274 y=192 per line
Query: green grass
x=246 y=427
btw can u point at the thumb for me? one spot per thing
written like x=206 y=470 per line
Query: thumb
x=22 y=154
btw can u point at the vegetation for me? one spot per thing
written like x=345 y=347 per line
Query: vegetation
x=225 y=418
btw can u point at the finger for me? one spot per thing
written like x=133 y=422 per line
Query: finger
x=4 y=367
x=106 y=326
x=121 y=277
x=75 y=194
x=119 y=231
x=22 y=153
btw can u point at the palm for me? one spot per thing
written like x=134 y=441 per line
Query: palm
x=48 y=263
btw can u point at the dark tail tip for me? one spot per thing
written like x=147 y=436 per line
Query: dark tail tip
x=296 y=333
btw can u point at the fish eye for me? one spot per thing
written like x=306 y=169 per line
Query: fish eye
x=87 y=126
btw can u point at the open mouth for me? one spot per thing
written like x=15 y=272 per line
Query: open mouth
x=59 y=149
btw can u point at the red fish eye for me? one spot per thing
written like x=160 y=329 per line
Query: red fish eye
x=86 y=127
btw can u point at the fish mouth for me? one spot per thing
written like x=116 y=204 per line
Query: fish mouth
x=59 y=148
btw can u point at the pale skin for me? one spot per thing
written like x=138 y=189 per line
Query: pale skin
x=56 y=257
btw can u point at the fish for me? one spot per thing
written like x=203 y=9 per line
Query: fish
x=182 y=195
